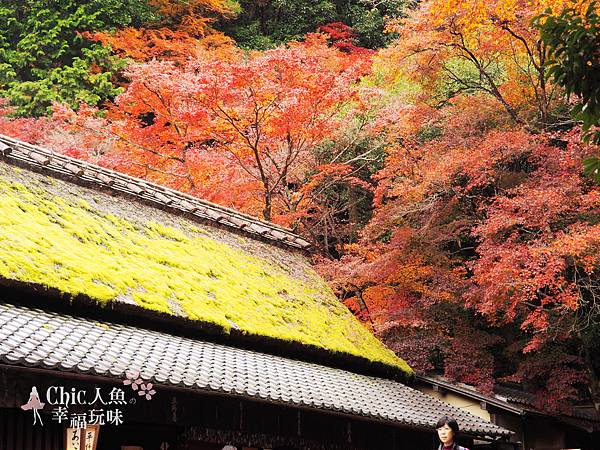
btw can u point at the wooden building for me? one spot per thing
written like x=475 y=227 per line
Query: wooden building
x=163 y=322
x=515 y=410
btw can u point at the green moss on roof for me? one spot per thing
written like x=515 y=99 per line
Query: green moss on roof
x=56 y=239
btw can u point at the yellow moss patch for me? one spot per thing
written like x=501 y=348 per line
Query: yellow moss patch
x=66 y=244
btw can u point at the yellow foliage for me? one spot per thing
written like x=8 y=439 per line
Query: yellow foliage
x=64 y=243
x=192 y=8
x=469 y=15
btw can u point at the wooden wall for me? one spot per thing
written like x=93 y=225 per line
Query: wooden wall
x=17 y=432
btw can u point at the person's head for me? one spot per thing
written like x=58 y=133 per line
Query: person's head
x=447 y=429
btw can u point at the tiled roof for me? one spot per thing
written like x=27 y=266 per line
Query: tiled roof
x=52 y=162
x=470 y=391
x=518 y=402
x=515 y=396
x=50 y=340
x=79 y=243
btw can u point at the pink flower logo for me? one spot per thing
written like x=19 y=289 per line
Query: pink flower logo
x=137 y=384
x=146 y=390
x=133 y=379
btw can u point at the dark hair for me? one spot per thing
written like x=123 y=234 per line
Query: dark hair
x=450 y=421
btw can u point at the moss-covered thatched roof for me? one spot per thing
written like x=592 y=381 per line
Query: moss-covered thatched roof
x=84 y=242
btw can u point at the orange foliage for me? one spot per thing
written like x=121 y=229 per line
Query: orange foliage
x=144 y=44
x=475 y=219
x=450 y=47
x=234 y=129
x=183 y=32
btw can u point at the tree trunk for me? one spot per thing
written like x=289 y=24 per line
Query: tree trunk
x=543 y=84
x=268 y=206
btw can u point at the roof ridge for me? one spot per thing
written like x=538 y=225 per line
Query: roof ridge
x=55 y=163
x=447 y=384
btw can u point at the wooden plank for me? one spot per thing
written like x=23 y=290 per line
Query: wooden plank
x=30 y=429
x=3 y=428
x=58 y=439
x=48 y=435
x=10 y=430
x=38 y=436
x=19 y=431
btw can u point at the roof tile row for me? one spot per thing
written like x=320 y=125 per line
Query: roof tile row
x=13 y=149
x=50 y=340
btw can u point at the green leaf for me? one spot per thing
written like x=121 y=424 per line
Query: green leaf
x=591 y=168
x=44 y=58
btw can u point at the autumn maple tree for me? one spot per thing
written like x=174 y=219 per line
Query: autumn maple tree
x=481 y=236
x=236 y=130
x=484 y=46
x=440 y=178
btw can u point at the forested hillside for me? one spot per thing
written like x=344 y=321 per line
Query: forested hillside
x=442 y=156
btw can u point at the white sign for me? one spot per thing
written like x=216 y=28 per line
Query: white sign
x=74 y=438
x=91 y=437
x=82 y=438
